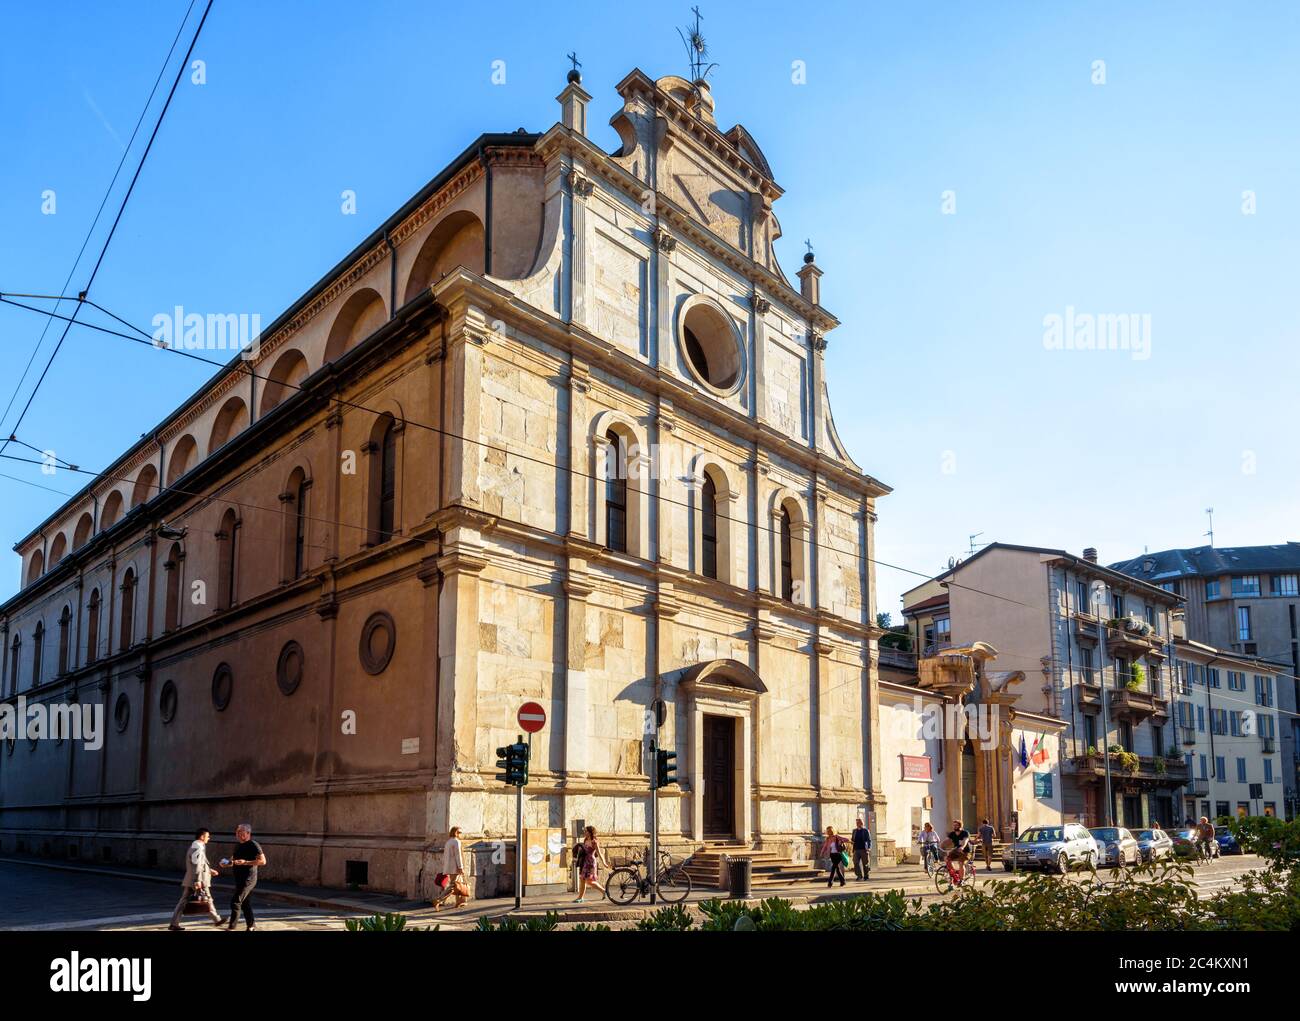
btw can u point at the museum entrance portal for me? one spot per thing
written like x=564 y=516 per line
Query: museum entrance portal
x=719 y=777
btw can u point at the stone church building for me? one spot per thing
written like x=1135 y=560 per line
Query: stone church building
x=557 y=431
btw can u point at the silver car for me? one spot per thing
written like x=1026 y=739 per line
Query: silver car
x=1154 y=845
x=1116 y=846
x=1054 y=848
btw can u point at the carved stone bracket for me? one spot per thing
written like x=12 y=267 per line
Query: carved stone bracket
x=665 y=240
x=582 y=186
x=761 y=305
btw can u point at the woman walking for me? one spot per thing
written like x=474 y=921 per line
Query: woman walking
x=589 y=867
x=451 y=880
x=834 y=849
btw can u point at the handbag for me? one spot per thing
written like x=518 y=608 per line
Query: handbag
x=844 y=859
x=461 y=888
x=200 y=903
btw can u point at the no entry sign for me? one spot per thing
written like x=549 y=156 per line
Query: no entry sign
x=532 y=717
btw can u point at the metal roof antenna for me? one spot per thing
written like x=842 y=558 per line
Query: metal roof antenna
x=1210 y=533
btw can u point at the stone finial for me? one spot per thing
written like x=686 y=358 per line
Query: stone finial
x=573 y=104
x=810 y=281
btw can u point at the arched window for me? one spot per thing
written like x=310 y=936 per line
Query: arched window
x=172 y=567
x=36 y=567
x=385 y=500
x=65 y=628
x=228 y=562
x=787 y=556
x=38 y=645
x=294 y=500
x=709 y=527
x=15 y=657
x=127 y=631
x=92 y=627
x=615 y=494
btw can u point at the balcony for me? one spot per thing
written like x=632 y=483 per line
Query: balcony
x=898 y=659
x=1150 y=771
x=1086 y=628
x=1136 y=704
x=1126 y=638
x=1198 y=788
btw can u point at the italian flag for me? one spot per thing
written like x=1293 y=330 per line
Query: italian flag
x=1038 y=754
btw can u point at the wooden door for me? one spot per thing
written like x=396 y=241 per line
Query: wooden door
x=719 y=776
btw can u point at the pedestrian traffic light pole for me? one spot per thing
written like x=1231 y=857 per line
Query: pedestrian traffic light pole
x=654 y=817
x=514 y=759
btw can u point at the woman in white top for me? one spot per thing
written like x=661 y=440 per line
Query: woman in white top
x=453 y=867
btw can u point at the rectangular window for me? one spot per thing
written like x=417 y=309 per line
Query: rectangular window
x=1243 y=624
x=1085 y=665
x=1241 y=771
x=1236 y=680
x=1216 y=722
x=1234 y=723
x=1220 y=769
x=1245 y=585
x=1285 y=585
x=1267 y=728
x=1211 y=677
x=1122 y=671
x=1212 y=589
x=1158 y=742
x=1203 y=773
x=1117 y=604
x=1082 y=598
x=1090 y=731
x=1200 y=718
x=1263 y=690
x=1268 y=770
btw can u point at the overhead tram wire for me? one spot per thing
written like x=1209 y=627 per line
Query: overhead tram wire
x=99 y=212
x=116 y=220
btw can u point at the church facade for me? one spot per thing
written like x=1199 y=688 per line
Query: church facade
x=558 y=431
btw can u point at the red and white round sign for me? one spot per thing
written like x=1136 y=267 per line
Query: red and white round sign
x=532 y=717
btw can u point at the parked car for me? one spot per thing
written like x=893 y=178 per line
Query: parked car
x=1226 y=841
x=1184 y=841
x=1153 y=845
x=1057 y=848
x=1117 y=846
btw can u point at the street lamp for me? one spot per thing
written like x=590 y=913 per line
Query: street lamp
x=1098 y=598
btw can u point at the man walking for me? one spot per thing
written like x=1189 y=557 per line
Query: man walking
x=986 y=839
x=198 y=876
x=861 y=851
x=248 y=856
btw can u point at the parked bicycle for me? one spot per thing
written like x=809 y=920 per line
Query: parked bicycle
x=948 y=877
x=628 y=882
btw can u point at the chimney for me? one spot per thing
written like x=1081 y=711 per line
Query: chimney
x=573 y=104
x=810 y=280
x=1090 y=554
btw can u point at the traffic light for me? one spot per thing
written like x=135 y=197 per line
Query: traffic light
x=513 y=759
x=665 y=768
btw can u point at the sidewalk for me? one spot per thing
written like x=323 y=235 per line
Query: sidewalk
x=907 y=879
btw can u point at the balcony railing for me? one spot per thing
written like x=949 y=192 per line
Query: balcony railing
x=1137 y=703
x=1154 y=769
x=898 y=658
x=1198 y=788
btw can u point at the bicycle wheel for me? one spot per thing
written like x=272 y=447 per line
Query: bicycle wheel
x=674 y=885
x=942 y=881
x=623 y=885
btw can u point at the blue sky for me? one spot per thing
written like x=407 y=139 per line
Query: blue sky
x=1114 y=198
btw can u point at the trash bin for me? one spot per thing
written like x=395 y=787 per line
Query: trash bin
x=740 y=871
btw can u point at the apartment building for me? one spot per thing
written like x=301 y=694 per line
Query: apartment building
x=1099 y=644
x=1243 y=600
x=1225 y=708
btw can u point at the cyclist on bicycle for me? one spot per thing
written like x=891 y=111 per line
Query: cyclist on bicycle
x=929 y=841
x=959 y=852
x=1205 y=841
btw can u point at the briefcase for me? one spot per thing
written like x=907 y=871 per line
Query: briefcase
x=200 y=903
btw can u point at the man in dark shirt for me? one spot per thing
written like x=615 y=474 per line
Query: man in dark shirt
x=248 y=856
x=960 y=840
x=861 y=851
x=987 y=833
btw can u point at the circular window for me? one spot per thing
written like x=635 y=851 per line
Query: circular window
x=122 y=712
x=223 y=686
x=712 y=347
x=167 y=701
x=378 y=640
x=288 y=670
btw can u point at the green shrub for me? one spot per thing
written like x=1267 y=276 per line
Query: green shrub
x=667 y=919
x=384 y=923
x=507 y=924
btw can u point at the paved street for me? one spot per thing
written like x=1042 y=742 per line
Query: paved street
x=40 y=897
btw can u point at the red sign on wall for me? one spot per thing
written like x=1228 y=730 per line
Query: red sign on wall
x=916 y=767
